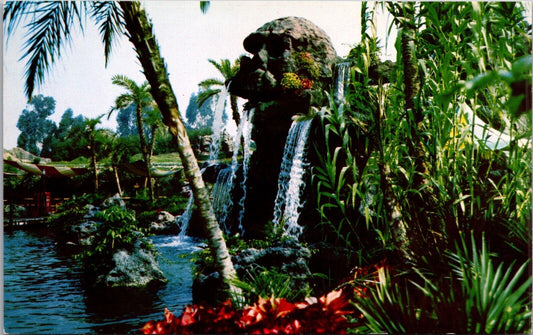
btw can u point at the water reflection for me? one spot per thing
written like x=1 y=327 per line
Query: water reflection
x=44 y=290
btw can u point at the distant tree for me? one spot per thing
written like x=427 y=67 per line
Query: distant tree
x=34 y=125
x=126 y=122
x=200 y=116
x=140 y=97
x=66 y=142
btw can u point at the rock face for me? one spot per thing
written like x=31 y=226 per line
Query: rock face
x=287 y=257
x=164 y=224
x=138 y=268
x=203 y=146
x=273 y=46
x=278 y=48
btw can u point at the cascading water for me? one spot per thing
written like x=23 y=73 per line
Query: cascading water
x=222 y=192
x=290 y=181
x=218 y=124
x=183 y=220
x=222 y=203
x=342 y=80
x=248 y=149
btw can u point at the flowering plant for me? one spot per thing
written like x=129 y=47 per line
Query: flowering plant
x=306 y=65
x=326 y=314
x=291 y=81
x=307 y=72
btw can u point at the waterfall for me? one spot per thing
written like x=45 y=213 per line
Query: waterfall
x=248 y=149
x=290 y=181
x=223 y=189
x=183 y=220
x=342 y=80
x=222 y=203
x=218 y=124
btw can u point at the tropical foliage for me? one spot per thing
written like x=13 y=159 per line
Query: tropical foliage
x=425 y=170
x=47 y=33
x=145 y=111
x=409 y=167
x=326 y=314
x=118 y=229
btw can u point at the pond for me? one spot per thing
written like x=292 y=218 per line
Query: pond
x=44 y=291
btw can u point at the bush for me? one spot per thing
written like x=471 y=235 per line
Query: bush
x=326 y=314
x=476 y=296
x=117 y=229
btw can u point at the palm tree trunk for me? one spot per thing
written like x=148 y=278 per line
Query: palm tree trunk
x=141 y=35
x=144 y=151
x=117 y=179
x=152 y=140
x=417 y=237
x=93 y=161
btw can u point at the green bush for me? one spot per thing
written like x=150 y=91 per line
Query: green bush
x=291 y=81
x=117 y=229
x=475 y=296
x=270 y=283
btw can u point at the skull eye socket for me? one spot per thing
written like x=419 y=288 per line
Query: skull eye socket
x=253 y=43
x=276 y=46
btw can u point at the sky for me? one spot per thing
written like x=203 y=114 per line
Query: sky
x=187 y=39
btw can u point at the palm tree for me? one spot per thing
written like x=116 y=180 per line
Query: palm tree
x=49 y=29
x=140 y=97
x=212 y=86
x=90 y=127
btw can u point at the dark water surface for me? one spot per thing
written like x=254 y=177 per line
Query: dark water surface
x=44 y=291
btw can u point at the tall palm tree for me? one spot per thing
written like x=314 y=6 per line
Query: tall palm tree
x=153 y=119
x=50 y=29
x=212 y=86
x=90 y=127
x=140 y=97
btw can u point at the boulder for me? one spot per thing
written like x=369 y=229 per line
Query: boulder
x=210 y=171
x=164 y=224
x=115 y=200
x=138 y=268
x=287 y=257
x=273 y=47
x=91 y=211
x=202 y=146
x=84 y=232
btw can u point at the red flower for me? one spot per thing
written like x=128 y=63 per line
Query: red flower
x=307 y=84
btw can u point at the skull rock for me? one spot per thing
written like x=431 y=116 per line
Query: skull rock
x=273 y=47
x=287 y=45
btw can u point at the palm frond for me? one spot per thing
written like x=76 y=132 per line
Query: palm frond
x=224 y=67
x=204 y=6
x=205 y=95
x=108 y=17
x=14 y=11
x=205 y=84
x=47 y=33
x=123 y=101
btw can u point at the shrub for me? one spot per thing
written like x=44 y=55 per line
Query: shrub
x=117 y=229
x=307 y=67
x=475 y=296
x=291 y=81
x=326 y=314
